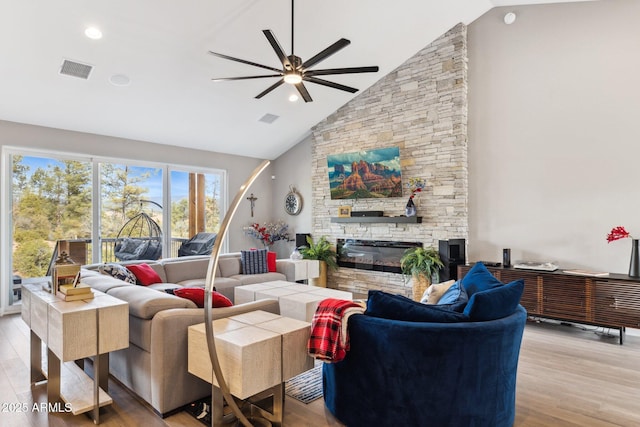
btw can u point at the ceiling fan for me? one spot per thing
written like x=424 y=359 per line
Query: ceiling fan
x=294 y=71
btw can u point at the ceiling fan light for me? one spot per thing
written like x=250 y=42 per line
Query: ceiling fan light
x=292 y=78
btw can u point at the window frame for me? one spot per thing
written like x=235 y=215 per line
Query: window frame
x=6 y=203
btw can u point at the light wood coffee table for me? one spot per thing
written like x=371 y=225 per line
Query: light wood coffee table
x=296 y=301
x=258 y=351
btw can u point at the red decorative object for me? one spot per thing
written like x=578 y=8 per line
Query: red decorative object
x=618 y=233
x=269 y=233
x=197 y=295
x=145 y=274
x=271 y=261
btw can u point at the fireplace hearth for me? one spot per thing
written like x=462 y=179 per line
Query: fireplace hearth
x=375 y=255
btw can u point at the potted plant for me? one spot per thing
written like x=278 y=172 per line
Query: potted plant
x=422 y=264
x=324 y=252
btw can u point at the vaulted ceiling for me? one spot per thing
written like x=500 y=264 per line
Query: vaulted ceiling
x=161 y=48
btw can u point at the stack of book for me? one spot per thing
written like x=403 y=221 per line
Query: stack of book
x=75 y=293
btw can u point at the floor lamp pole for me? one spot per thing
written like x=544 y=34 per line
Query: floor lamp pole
x=209 y=284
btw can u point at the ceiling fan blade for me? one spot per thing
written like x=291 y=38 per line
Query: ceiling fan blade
x=278 y=49
x=270 y=88
x=342 y=43
x=330 y=84
x=303 y=92
x=351 y=70
x=243 y=61
x=226 y=79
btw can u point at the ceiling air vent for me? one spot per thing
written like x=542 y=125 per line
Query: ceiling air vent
x=75 y=69
x=268 y=118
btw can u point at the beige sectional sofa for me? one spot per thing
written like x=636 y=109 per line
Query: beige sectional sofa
x=155 y=364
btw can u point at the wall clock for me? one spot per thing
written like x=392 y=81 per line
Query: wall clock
x=293 y=202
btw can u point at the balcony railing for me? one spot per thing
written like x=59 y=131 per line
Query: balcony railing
x=107 y=245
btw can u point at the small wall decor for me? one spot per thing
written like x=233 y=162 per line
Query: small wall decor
x=293 y=201
x=269 y=233
x=344 y=211
x=415 y=185
x=252 y=199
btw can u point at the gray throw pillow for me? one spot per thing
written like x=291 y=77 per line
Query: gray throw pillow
x=254 y=262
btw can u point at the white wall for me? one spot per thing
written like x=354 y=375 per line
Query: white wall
x=238 y=168
x=293 y=168
x=554 y=103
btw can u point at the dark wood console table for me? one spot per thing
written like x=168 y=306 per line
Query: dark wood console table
x=612 y=301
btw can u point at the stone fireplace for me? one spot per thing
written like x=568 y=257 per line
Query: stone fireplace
x=421 y=107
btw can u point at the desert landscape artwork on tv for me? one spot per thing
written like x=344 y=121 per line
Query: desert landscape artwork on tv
x=365 y=174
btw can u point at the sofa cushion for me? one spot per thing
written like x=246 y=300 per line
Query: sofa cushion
x=186 y=268
x=145 y=275
x=495 y=303
x=456 y=294
x=145 y=303
x=162 y=287
x=119 y=272
x=197 y=295
x=398 y=307
x=479 y=279
x=254 y=261
x=102 y=282
x=229 y=265
x=226 y=286
x=434 y=292
x=193 y=283
x=250 y=279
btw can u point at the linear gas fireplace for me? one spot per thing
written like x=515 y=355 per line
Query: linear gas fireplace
x=376 y=255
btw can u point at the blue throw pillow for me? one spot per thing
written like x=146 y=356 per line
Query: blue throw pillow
x=456 y=294
x=398 y=307
x=479 y=279
x=254 y=262
x=495 y=303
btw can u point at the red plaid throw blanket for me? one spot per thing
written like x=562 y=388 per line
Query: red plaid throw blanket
x=329 y=340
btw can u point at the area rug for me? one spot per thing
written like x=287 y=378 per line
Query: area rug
x=307 y=386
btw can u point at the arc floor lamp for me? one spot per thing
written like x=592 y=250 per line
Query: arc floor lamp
x=209 y=284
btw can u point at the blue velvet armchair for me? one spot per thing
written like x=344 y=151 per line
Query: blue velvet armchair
x=407 y=373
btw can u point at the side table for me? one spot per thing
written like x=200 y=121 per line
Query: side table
x=258 y=351
x=72 y=331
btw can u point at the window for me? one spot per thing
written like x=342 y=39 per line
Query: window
x=84 y=206
x=205 y=190
x=51 y=201
x=131 y=208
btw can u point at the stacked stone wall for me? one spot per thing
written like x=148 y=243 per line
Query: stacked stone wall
x=421 y=107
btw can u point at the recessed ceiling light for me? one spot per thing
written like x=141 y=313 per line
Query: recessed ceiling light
x=293 y=97
x=509 y=18
x=93 y=33
x=119 y=80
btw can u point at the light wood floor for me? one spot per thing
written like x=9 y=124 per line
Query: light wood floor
x=566 y=377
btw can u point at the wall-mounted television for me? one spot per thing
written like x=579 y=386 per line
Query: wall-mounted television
x=365 y=174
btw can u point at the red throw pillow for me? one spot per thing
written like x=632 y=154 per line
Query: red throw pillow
x=271 y=261
x=197 y=296
x=145 y=274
